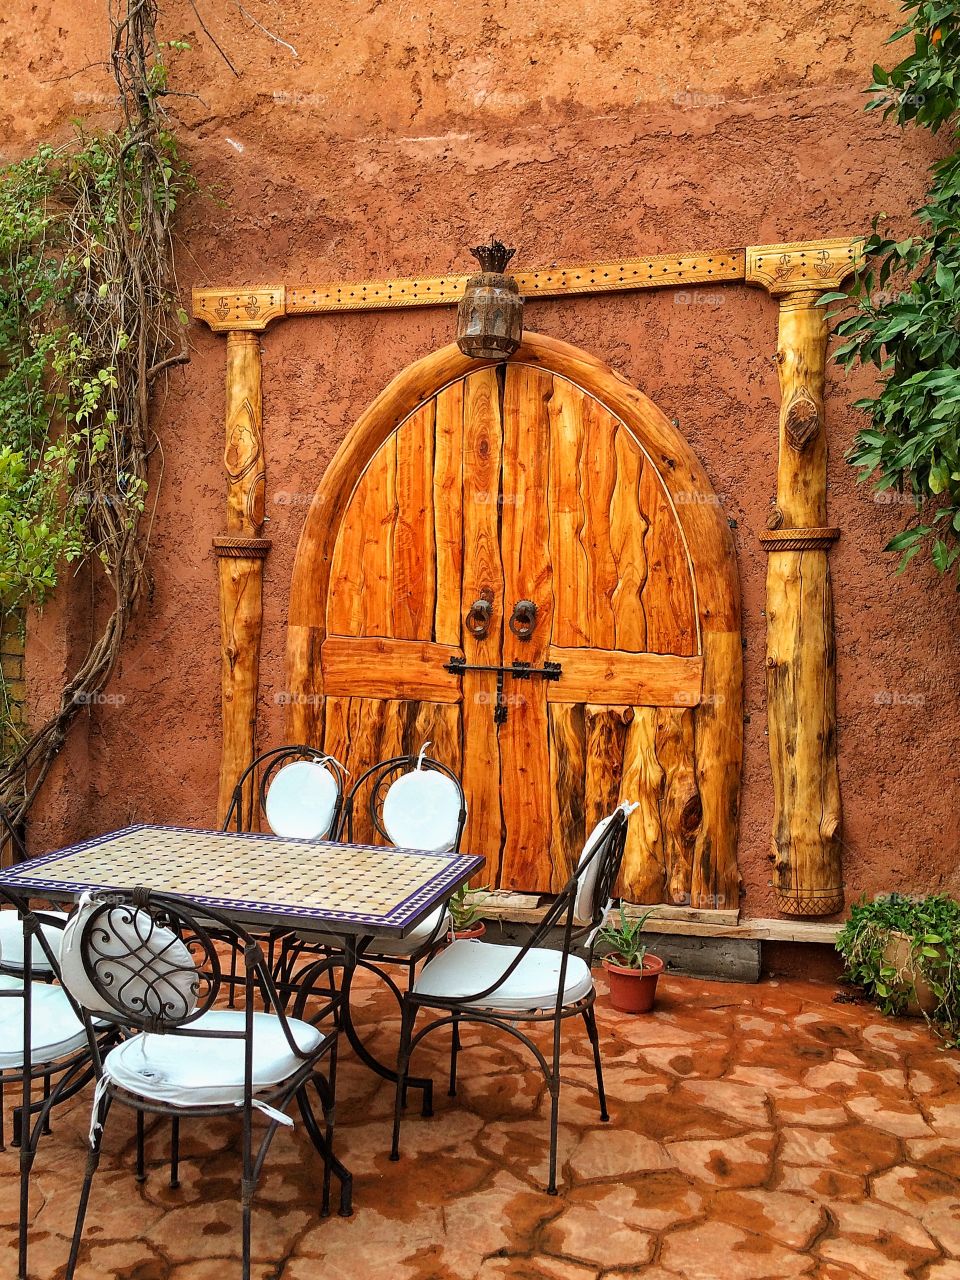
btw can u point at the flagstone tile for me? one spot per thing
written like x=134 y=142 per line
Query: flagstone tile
x=718 y=1251
x=821 y=1183
x=855 y=1149
x=893 y=1115
x=792 y=1220
x=745 y=1103
x=616 y=1153
x=601 y=1232
x=734 y=1162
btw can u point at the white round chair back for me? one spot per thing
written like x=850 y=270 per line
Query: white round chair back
x=11 y=942
x=301 y=801
x=147 y=968
x=421 y=810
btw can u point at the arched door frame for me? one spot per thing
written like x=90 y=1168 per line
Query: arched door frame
x=718 y=719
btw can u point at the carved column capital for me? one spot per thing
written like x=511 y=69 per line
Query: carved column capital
x=801 y=266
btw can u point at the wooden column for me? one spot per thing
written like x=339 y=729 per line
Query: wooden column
x=801 y=650
x=240 y=555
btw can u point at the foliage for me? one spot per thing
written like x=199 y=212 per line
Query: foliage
x=932 y=926
x=88 y=322
x=902 y=313
x=464 y=907
x=627 y=940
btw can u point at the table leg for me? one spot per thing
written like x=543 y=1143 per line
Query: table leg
x=353 y=950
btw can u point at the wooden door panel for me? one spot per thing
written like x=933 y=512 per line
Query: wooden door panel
x=413 y=536
x=448 y=513
x=482 y=577
x=613 y=676
x=360 y=600
x=669 y=605
x=527 y=575
x=386 y=668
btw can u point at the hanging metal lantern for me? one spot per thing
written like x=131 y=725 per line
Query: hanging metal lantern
x=490 y=315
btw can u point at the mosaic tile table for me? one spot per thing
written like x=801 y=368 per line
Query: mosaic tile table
x=346 y=889
x=354 y=891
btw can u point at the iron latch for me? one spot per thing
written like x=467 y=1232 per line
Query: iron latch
x=517 y=669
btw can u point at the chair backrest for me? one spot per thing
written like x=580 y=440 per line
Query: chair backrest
x=137 y=965
x=415 y=802
x=596 y=875
x=598 y=866
x=299 y=793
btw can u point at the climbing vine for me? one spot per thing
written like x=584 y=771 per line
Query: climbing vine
x=902 y=315
x=89 y=322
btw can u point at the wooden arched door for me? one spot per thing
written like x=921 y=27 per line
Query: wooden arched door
x=524 y=564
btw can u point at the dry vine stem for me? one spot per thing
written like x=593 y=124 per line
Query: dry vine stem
x=130 y=326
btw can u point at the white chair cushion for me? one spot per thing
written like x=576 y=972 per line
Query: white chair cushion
x=421 y=933
x=301 y=801
x=421 y=810
x=399 y=948
x=468 y=966
x=11 y=940
x=126 y=944
x=209 y=1072
x=55 y=1030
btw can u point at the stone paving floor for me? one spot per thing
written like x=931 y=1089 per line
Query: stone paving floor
x=757 y=1131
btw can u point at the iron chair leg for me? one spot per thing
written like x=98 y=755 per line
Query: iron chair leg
x=93 y=1160
x=454 y=1050
x=554 y=1083
x=175 y=1153
x=590 y=1018
x=141 y=1172
x=407 y=1018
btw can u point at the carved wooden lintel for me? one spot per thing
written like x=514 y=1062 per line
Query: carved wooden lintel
x=816 y=265
x=251 y=307
x=798 y=539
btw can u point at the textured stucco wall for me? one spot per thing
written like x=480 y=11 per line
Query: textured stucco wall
x=380 y=139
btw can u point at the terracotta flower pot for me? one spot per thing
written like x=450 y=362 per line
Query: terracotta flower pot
x=921 y=998
x=475 y=931
x=633 y=990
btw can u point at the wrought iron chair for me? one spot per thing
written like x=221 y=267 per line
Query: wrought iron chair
x=500 y=986
x=144 y=960
x=300 y=795
x=42 y=1038
x=414 y=802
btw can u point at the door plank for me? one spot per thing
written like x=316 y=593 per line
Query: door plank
x=482 y=573
x=612 y=676
x=382 y=667
x=361 y=585
x=572 y=623
x=605 y=735
x=680 y=807
x=668 y=599
x=336 y=732
x=628 y=531
x=414 y=537
x=527 y=574
x=567 y=780
x=643 y=872
x=365 y=727
x=598 y=481
x=448 y=512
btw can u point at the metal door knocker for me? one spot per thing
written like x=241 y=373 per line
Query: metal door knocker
x=523 y=619
x=480 y=615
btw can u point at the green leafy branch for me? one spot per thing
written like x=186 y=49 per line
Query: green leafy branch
x=901 y=315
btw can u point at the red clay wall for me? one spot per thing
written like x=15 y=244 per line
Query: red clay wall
x=378 y=141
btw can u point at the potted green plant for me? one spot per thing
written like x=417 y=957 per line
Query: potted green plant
x=905 y=953
x=631 y=970
x=464 y=908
